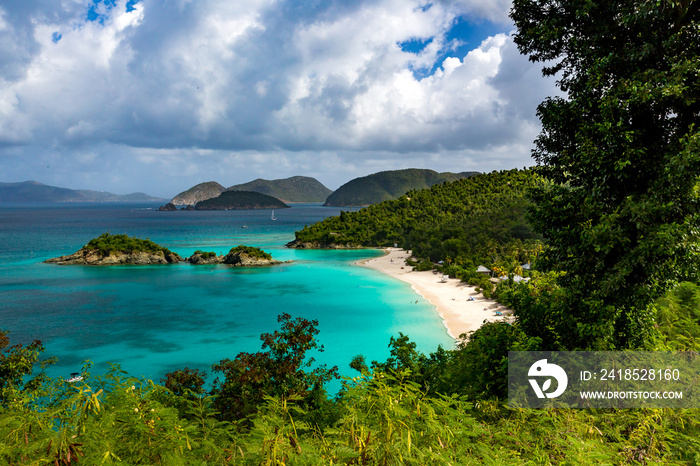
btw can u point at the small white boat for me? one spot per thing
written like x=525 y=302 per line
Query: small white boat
x=273 y=215
x=74 y=377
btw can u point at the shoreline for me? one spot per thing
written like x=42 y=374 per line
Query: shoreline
x=451 y=298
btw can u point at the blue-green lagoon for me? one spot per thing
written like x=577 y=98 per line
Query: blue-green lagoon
x=153 y=319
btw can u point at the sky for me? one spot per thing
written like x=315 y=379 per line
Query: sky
x=156 y=96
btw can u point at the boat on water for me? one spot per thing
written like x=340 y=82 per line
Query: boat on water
x=74 y=377
x=273 y=215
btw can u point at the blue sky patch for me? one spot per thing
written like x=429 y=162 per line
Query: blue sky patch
x=130 y=5
x=56 y=36
x=463 y=37
x=98 y=10
x=415 y=45
x=470 y=35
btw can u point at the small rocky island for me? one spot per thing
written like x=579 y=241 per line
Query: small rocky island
x=240 y=256
x=108 y=249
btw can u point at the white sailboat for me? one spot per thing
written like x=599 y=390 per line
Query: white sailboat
x=273 y=215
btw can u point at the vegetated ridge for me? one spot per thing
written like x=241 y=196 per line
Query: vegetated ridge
x=294 y=189
x=197 y=193
x=387 y=185
x=233 y=200
x=32 y=191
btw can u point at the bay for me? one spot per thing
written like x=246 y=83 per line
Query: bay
x=153 y=319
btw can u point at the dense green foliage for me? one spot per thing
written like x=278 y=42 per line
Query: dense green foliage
x=294 y=189
x=279 y=371
x=466 y=218
x=385 y=417
x=678 y=318
x=107 y=243
x=622 y=149
x=384 y=186
x=229 y=200
x=252 y=251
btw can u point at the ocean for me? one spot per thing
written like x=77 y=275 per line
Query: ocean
x=151 y=320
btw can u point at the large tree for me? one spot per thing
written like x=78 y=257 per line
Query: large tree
x=622 y=150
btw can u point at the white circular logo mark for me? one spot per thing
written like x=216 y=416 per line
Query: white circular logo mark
x=543 y=369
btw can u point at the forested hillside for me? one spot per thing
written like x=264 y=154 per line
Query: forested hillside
x=387 y=185
x=294 y=189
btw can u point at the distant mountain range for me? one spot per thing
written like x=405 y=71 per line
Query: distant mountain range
x=371 y=189
x=362 y=191
x=388 y=185
x=294 y=189
x=31 y=191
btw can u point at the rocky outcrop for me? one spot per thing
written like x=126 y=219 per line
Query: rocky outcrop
x=199 y=258
x=242 y=259
x=167 y=207
x=96 y=257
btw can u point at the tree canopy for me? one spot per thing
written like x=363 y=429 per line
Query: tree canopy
x=622 y=149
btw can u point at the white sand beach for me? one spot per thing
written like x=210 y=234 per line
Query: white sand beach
x=451 y=298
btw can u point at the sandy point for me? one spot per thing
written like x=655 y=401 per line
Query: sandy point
x=460 y=306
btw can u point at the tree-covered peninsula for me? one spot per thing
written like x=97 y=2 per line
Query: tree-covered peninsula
x=474 y=221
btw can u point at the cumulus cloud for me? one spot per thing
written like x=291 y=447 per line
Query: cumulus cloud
x=263 y=88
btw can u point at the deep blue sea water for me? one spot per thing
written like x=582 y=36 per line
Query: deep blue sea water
x=154 y=319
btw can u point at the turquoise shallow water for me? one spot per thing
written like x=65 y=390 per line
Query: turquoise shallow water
x=154 y=319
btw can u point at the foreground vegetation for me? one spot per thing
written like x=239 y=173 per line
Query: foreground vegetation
x=269 y=408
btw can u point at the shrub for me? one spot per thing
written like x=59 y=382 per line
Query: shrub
x=251 y=251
